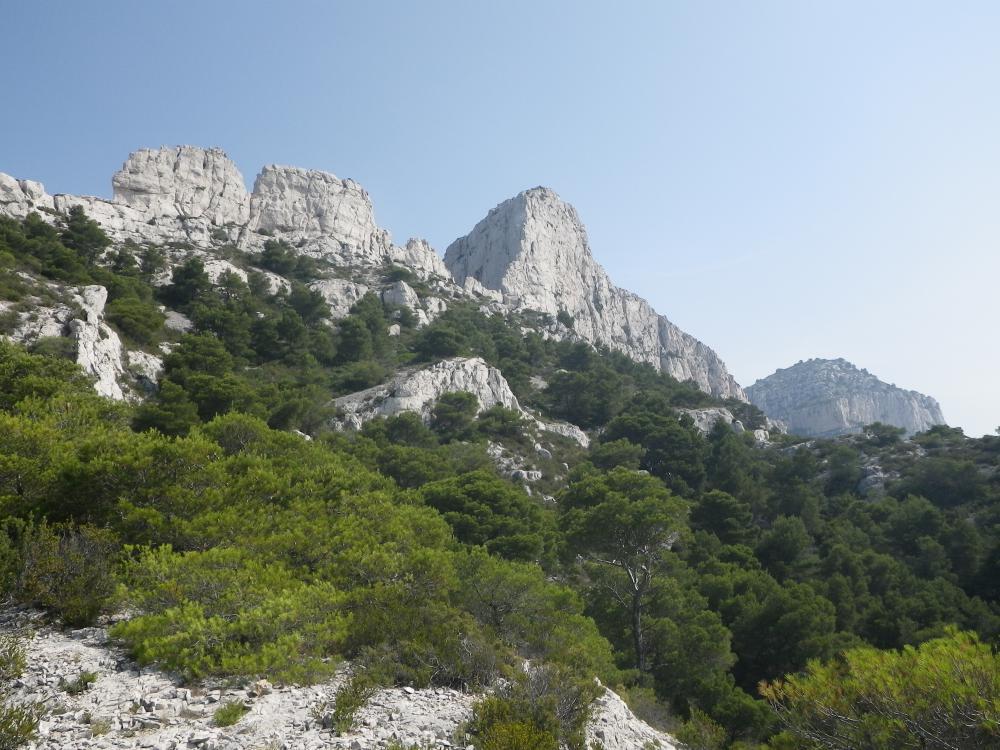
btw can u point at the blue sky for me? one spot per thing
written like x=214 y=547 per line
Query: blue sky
x=782 y=179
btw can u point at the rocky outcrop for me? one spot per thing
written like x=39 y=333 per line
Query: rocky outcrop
x=533 y=249
x=613 y=726
x=309 y=204
x=418 y=256
x=129 y=707
x=18 y=198
x=829 y=397
x=340 y=294
x=99 y=350
x=185 y=182
x=176 y=194
x=530 y=253
x=418 y=390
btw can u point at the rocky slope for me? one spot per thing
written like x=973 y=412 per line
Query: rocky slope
x=828 y=397
x=131 y=707
x=531 y=252
x=533 y=249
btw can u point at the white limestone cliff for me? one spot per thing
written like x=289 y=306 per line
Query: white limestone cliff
x=418 y=256
x=828 y=397
x=312 y=205
x=99 y=349
x=530 y=253
x=185 y=182
x=533 y=249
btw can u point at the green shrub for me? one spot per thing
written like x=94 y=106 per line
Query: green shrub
x=62 y=347
x=18 y=721
x=67 y=570
x=140 y=321
x=543 y=708
x=79 y=684
x=12 y=659
x=350 y=698
x=517 y=735
x=220 y=612
x=701 y=733
x=228 y=713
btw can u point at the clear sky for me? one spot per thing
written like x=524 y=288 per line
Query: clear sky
x=784 y=180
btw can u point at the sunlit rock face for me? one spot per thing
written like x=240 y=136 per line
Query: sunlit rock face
x=185 y=182
x=533 y=250
x=828 y=397
x=310 y=203
x=529 y=254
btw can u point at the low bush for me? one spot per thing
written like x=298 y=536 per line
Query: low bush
x=79 y=684
x=18 y=720
x=228 y=713
x=67 y=570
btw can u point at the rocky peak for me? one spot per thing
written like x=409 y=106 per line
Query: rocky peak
x=312 y=204
x=827 y=397
x=183 y=182
x=533 y=250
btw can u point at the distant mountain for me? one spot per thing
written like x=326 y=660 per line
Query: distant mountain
x=828 y=397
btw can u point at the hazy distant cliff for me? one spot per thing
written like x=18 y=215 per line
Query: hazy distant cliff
x=826 y=397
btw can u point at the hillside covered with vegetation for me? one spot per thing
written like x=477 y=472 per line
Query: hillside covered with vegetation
x=716 y=581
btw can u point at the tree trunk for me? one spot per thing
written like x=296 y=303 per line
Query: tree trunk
x=640 y=649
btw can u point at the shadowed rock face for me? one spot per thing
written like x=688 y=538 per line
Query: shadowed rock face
x=533 y=250
x=828 y=397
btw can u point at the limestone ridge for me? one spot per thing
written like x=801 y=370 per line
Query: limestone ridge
x=197 y=196
x=533 y=250
x=529 y=253
x=828 y=397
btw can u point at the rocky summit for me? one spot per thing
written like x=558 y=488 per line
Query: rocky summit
x=530 y=253
x=828 y=397
x=533 y=249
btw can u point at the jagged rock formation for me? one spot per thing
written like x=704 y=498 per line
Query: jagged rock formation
x=99 y=350
x=127 y=707
x=326 y=216
x=705 y=420
x=340 y=294
x=198 y=196
x=184 y=183
x=533 y=250
x=828 y=397
x=530 y=253
x=18 y=198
